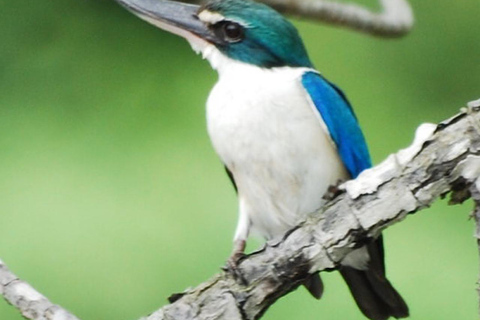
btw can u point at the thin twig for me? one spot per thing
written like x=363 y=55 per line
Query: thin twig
x=30 y=303
x=395 y=18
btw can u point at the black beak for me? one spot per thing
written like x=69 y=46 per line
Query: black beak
x=176 y=17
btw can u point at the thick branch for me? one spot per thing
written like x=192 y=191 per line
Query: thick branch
x=475 y=192
x=442 y=159
x=476 y=216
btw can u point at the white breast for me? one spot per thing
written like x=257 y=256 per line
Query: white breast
x=265 y=129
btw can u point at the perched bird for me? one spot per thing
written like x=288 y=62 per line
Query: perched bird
x=284 y=132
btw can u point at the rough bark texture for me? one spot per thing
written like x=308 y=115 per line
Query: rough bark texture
x=475 y=191
x=443 y=158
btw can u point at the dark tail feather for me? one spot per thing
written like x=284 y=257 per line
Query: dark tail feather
x=384 y=289
x=314 y=285
x=373 y=293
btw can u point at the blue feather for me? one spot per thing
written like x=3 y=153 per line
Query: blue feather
x=341 y=122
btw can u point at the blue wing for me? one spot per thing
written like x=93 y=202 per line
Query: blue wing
x=341 y=122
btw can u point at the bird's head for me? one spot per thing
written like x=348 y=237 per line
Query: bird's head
x=239 y=30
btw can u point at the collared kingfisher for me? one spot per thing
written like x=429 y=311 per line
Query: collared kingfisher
x=284 y=133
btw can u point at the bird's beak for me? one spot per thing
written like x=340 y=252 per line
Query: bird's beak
x=176 y=17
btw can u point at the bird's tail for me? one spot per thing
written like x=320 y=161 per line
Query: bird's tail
x=314 y=285
x=373 y=293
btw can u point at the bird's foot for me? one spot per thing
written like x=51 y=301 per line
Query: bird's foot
x=333 y=191
x=234 y=259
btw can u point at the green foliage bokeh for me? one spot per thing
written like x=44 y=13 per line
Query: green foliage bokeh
x=111 y=197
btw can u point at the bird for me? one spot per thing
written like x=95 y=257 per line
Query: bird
x=284 y=133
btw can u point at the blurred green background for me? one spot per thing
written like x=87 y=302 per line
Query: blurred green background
x=111 y=197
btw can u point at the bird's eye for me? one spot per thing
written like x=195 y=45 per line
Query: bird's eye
x=233 y=31
x=229 y=31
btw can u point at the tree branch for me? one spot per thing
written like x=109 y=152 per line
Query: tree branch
x=475 y=194
x=442 y=159
x=475 y=191
x=30 y=303
x=395 y=18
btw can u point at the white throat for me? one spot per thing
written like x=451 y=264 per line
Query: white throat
x=217 y=59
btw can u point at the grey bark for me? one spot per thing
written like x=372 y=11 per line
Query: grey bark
x=394 y=19
x=443 y=159
x=30 y=303
x=475 y=191
x=475 y=194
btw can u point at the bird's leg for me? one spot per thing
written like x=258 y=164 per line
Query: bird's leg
x=237 y=253
x=233 y=260
x=240 y=239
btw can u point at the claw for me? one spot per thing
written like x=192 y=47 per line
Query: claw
x=333 y=191
x=234 y=259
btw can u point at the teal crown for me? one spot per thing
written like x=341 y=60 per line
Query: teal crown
x=261 y=35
